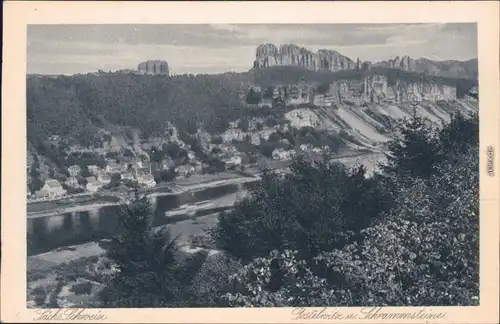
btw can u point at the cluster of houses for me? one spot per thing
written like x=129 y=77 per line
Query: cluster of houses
x=282 y=154
x=99 y=178
x=138 y=171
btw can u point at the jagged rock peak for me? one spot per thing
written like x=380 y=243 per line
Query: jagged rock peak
x=293 y=49
x=293 y=55
x=267 y=50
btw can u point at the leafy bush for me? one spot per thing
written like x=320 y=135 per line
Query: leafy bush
x=419 y=248
x=315 y=208
x=83 y=288
x=212 y=280
x=217 y=140
x=398 y=263
x=243 y=125
x=40 y=295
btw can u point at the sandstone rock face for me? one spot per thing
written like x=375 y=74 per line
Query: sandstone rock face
x=153 y=67
x=268 y=55
x=376 y=89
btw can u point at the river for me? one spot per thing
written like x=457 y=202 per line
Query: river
x=87 y=224
x=82 y=223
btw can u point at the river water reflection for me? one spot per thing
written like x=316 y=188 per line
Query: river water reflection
x=71 y=228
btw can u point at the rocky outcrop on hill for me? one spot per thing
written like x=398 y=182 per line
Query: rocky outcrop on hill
x=405 y=63
x=377 y=89
x=268 y=55
x=453 y=69
x=153 y=67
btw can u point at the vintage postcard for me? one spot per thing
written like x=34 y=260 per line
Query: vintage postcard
x=250 y=162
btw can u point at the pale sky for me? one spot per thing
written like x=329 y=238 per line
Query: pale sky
x=69 y=49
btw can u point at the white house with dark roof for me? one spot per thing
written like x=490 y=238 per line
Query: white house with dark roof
x=128 y=176
x=184 y=170
x=74 y=170
x=52 y=188
x=104 y=179
x=191 y=155
x=235 y=160
x=93 y=184
x=94 y=169
x=146 y=180
x=114 y=168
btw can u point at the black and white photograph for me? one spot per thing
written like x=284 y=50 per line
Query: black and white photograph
x=252 y=165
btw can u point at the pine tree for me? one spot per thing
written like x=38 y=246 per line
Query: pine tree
x=416 y=151
x=149 y=273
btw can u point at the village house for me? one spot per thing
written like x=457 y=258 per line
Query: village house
x=265 y=103
x=146 y=167
x=234 y=161
x=329 y=101
x=93 y=184
x=128 y=176
x=256 y=88
x=72 y=182
x=114 y=168
x=104 y=179
x=319 y=100
x=198 y=168
x=184 y=170
x=167 y=163
x=52 y=188
x=191 y=155
x=74 y=170
x=306 y=147
x=94 y=169
x=147 y=180
x=281 y=154
x=156 y=166
x=231 y=134
x=255 y=139
x=228 y=148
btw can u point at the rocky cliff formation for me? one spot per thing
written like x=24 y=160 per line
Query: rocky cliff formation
x=377 y=89
x=153 y=67
x=453 y=69
x=268 y=55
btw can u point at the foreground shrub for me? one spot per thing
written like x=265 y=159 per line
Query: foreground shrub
x=315 y=208
x=83 y=288
x=422 y=251
x=212 y=280
x=399 y=263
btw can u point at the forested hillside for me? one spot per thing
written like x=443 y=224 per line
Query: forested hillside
x=78 y=105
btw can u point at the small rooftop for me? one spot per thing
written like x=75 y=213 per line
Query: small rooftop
x=147 y=177
x=52 y=183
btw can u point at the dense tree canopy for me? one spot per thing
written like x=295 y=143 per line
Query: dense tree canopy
x=76 y=105
x=315 y=208
x=416 y=245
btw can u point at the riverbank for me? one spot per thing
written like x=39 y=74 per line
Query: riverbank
x=185 y=186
